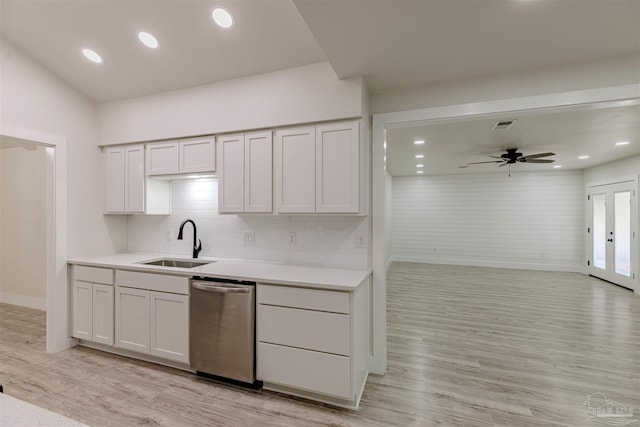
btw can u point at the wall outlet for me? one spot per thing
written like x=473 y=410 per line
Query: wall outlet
x=361 y=242
x=293 y=237
x=249 y=237
x=168 y=235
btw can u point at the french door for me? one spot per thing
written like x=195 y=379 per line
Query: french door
x=612 y=233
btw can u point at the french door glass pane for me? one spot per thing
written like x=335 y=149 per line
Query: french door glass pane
x=599 y=231
x=622 y=236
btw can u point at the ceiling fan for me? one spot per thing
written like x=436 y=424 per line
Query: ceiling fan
x=512 y=156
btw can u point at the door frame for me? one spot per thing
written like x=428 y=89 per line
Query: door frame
x=57 y=317
x=635 y=246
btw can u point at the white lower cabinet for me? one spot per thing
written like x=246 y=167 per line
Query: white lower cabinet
x=132 y=319
x=313 y=343
x=149 y=321
x=92 y=302
x=169 y=327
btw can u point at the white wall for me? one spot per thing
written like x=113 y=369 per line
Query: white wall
x=388 y=250
x=299 y=95
x=22 y=227
x=35 y=99
x=531 y=220
x=590 y=75
x=321 y=240
x=618 y=169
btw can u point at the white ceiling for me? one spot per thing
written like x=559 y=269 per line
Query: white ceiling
x=392 y=43
x=405 y=43
x=193 y=51
x=567 y=132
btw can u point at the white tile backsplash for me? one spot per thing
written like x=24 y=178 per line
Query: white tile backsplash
x=321 y=240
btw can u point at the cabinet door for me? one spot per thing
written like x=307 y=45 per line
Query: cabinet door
x=162 y=158
x=82 y=301
x=258 y=172
x=231 y=173
x=295 y=170
x=198 y=155
x=134 y=179
x=114 y=179
x=337 y=172
x=103 y=314
x=132 y=319
x=170 y=326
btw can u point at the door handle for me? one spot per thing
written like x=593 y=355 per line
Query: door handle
x=610 y=240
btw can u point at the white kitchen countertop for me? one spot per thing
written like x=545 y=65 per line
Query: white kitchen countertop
x=342 y=279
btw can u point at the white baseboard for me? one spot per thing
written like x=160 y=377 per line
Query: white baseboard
x=572 y=268
x=23 y=300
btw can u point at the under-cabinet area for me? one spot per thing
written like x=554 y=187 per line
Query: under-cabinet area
x=311 y=329
x=315 y=169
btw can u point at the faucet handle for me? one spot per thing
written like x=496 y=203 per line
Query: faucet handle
x=197 y=249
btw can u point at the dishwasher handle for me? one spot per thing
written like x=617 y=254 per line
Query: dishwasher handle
x=221 y=288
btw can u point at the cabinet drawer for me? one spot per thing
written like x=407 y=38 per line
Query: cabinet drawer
x=153 y=282
x=93 y=274
x=313 y=330
x=304 y=369
x=312 y=299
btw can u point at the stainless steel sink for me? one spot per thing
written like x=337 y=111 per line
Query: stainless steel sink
x=181 y=263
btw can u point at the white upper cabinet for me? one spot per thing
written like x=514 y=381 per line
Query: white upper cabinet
x=295 y=170
x=185 y=156
x=321 y=169
x=163 y=158
x=258 y=172
x=134 y=179
x=231 y=173
x=115 y=179
x=245 y=173
x=337 y=167
x=125 y=182
x=198 y=155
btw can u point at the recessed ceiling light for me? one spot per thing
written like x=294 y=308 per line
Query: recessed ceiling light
x=583 y=157
x=222 y=18
x=92 y=56
x=557 y=166
x=419 y=166
x=419 y=156
x=622 y=143
x=420 y=172
x=148 y=40
x=418 y=141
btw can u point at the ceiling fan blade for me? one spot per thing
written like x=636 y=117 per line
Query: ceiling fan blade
x=540 y=161
x=505 y=163
x=535 y=156
x=478 y=163
x=495 y=157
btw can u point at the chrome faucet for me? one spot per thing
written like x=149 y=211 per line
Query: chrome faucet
x=198 y=248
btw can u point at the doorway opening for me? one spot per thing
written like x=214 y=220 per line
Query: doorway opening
x=55 y=234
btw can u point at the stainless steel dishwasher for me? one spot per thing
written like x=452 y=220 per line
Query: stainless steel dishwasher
x=222 y=330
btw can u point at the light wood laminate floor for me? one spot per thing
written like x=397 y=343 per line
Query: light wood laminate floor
x=466 y=346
